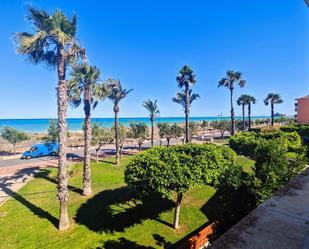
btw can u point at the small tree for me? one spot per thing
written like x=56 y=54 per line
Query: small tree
x=169 y=131
x=162 y=130
x=138 y=131
x=13 y=136
x=175 y=169
x=193 y=129
x=222 y=125
x=52 y=132
x=204 y=125
x=100 y=136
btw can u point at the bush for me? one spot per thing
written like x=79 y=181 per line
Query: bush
x=267 y=129
x=244 y=143
x=271 y=172
x=291 y=140
x=302 y=130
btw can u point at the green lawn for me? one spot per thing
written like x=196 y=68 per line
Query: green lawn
x=246 y=163
x=109 y=219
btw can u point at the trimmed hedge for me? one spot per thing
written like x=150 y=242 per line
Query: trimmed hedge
x=302 y=130
x=246 y=143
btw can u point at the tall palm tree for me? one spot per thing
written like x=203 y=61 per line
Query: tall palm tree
x=250 y=100
x=229 y=81
x=272 y=99
x=243 y=101
x=54 y=44
x=153 y=110
x=186 y=78
x=84 y=82
x=117 y=93
x=181 y=99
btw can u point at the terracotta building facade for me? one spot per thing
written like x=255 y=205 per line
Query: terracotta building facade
x=302 y=110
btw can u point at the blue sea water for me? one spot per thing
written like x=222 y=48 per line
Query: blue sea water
x=75 y=124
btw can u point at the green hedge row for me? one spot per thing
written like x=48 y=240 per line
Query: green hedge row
x=246 y=143
x=302 y=130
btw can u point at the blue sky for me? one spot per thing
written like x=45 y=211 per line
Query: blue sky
x=144 y=43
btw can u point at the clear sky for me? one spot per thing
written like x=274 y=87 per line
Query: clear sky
x=144 y=43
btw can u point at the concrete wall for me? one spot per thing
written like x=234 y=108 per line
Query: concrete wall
x=303 y=110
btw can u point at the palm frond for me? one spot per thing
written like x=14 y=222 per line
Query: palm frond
x=152 y=107
x=117 y=93
x=186 y=76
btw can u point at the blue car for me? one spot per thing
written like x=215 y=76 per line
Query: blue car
x=38 y=150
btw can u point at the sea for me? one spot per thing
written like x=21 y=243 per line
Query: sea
x=75 y=124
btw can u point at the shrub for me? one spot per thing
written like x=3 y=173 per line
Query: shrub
x=302 y=130
x=267 y=129
x=270 y=173
x=291 y=140
x=244 y=143
x=272 y=170
x=168 y=170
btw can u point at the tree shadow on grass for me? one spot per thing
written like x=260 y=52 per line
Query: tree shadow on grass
x=44 y=174
x=21 y=176
x=116 y=209
x=227 y=207
x=122 y=243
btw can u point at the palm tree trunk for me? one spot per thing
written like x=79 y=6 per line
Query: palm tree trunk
x=87 y=191
x=187 y=113
x=249 y=115
x=152 y=131
x=177 y=210
x=62 y=103
x=117 y=138
x=272 y=114
x=168 y=142
x=243 y=118
x=232 y=112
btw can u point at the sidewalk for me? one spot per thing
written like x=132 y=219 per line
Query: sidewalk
x=282 y=222
x=9 y=185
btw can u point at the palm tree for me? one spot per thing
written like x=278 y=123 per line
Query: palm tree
x=186 y=78
x=153 y=110
x=116 y=95
x=250 y=100
x=181 y=99
x=54 y=44
x=243 y=101
x=272 y=99
x=229 y=81
x=84 y=82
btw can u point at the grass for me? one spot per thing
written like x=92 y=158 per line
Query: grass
x=246 y=163
x=109 y=219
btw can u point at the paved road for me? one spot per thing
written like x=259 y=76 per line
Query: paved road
x=78 y=153
x=14 y=162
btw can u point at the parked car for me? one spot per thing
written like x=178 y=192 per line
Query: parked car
x=38 y=150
